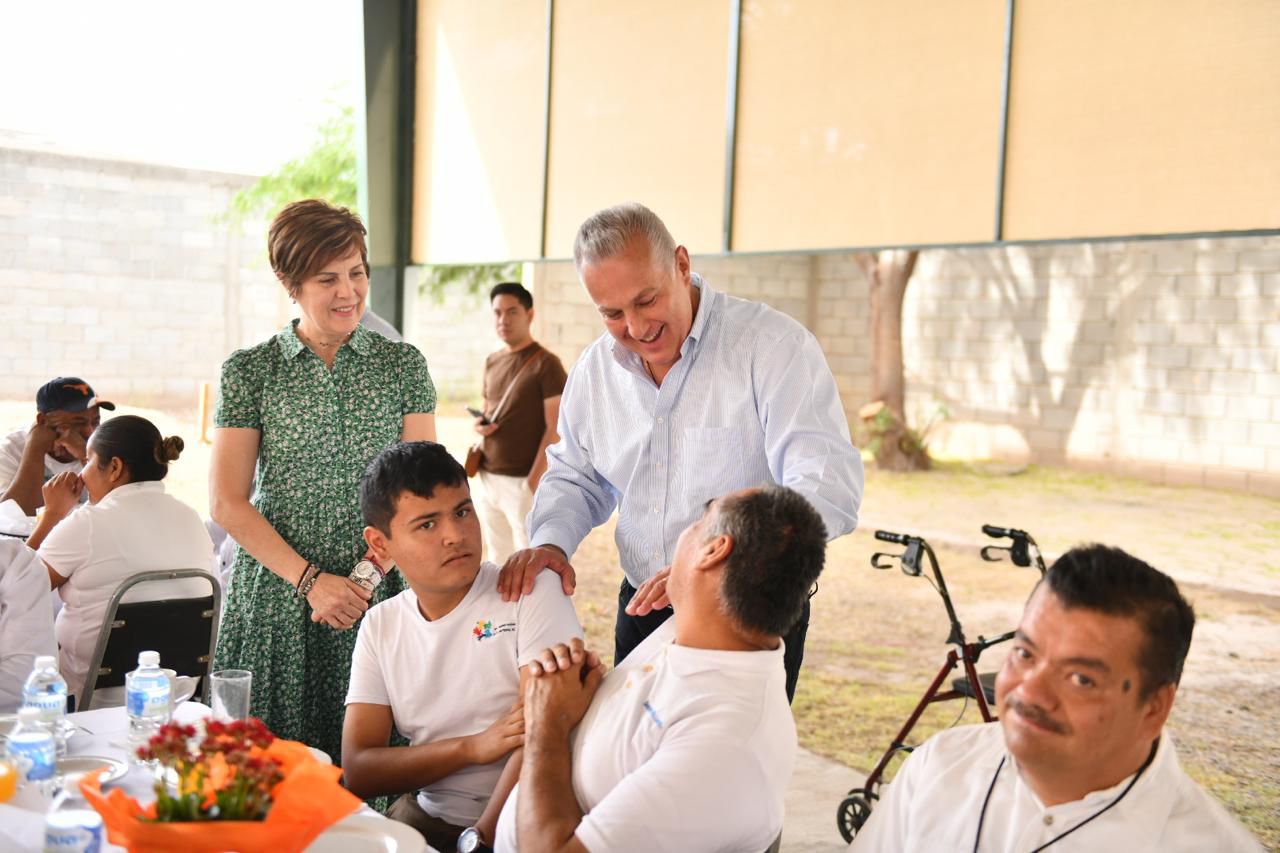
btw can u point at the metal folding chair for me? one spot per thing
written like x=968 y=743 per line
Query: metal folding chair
x=183 y=630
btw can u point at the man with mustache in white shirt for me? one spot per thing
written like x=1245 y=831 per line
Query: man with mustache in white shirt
x=1079 y=759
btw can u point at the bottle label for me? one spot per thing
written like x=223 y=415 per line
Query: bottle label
x=52 y=706
x=148 y=703
x=36 y=753
x=76 y=831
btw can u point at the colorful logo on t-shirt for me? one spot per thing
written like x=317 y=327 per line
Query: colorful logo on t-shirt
x=483 y=629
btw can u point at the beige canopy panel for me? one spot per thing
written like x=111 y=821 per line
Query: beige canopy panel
x=477 y=192
x=1143 y=117
x=776 y=125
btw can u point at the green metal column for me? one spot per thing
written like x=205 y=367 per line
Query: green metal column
x=385 y=143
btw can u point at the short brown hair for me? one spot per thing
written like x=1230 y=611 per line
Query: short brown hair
x=308 y=234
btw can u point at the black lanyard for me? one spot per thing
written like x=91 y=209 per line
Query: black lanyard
x=1099 y=813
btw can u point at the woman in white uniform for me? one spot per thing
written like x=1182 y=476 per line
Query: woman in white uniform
x=129 y=526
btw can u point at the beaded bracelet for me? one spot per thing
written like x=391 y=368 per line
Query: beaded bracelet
x=308 y=580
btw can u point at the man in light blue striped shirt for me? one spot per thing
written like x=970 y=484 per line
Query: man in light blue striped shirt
x=690 y=395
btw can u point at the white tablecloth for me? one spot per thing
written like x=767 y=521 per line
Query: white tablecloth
x=102 y=731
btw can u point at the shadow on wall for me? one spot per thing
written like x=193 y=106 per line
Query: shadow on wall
x=1098 y=352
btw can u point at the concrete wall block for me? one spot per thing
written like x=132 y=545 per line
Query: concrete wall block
x=1263 y=261
x=1231 y=382
x=1193 y=333
x=1152 y=333
x=1264 y=435
x=1226 y=478
x=1247 y=457
x=1253 y=359
x=1215 y=261
x=1194 y=383
x=1204 y=358
x=1169 y=356
x=1174 y=257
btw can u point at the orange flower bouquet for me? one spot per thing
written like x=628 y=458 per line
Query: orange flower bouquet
x=238 y=788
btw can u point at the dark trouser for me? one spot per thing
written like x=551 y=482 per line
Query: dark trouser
x=629 y=631
x=439 y=834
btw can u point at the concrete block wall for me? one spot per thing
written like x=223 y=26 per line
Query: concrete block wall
x=1159 y=358
x=120 y=272
x=1156 y=358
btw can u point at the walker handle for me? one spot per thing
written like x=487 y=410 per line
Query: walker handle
x=888 y=536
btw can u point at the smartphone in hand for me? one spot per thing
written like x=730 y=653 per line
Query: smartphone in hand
x=476 y=413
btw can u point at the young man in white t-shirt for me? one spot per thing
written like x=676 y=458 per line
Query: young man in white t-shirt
x=442 y=660
x=689 y=743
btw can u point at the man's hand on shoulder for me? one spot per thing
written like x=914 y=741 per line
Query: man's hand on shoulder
x=521 y=569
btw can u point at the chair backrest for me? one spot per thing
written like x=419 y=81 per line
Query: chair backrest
x=183 y=630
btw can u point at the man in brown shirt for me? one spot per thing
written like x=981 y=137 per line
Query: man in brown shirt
x=522 y=386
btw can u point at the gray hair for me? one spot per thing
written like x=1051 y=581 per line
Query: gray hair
x=779 y=547
x=607 y=233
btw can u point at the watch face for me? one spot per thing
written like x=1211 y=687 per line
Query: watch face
x=367 y=575
x=469 y=840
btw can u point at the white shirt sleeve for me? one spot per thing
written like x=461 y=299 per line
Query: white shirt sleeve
x=11 y=447
x=26 y=619
x=886 y=830
x=546 y=618
x=689 y=784
x=367 y=684
x=806 y=435
x=69 y=546
x=572 y=498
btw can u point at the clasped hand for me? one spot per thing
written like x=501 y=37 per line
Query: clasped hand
x=564 y=679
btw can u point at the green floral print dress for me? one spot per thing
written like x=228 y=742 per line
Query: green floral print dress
x=319 y=429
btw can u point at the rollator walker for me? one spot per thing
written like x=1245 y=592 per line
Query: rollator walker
x=1022 y=551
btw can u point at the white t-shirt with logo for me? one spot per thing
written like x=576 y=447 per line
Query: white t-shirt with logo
x=453 y=677
x=681 y=749
x=135 y=528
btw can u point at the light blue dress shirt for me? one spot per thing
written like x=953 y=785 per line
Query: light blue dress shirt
x=751 y=402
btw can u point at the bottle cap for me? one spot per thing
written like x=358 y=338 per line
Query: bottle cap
x=28 y=714
x=46 y=662
x=148 y=658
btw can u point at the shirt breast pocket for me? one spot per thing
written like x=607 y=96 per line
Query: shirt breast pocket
x=715 y=461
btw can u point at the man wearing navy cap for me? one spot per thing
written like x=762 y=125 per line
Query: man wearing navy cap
x=67 y=413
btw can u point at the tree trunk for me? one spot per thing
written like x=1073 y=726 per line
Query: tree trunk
x=896 y=448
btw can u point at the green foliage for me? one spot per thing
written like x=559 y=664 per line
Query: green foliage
x=327 y=171
x=476 y=278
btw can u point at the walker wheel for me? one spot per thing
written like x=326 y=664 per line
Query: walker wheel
x=853 y=813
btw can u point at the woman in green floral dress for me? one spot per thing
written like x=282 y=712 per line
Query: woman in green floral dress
x=309 y=408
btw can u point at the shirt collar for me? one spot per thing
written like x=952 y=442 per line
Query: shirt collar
x=291 y=344
x=1150 y=793
x=130 y=489
x=707 y=301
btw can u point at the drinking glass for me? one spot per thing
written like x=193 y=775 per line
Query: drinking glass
x=230 y=690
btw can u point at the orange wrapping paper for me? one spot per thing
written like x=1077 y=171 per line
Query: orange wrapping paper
x=305 y=804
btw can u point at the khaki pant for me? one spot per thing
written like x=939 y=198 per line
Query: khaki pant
x=441 y=835
x=502 y=503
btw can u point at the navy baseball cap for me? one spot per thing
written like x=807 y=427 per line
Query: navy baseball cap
x=68 y=394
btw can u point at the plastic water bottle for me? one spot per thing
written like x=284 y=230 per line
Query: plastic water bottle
x=147 y=698
x=46 y=691
x=31 y=747
x=71 y=826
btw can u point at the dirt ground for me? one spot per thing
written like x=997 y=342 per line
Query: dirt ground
x=876 y=638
